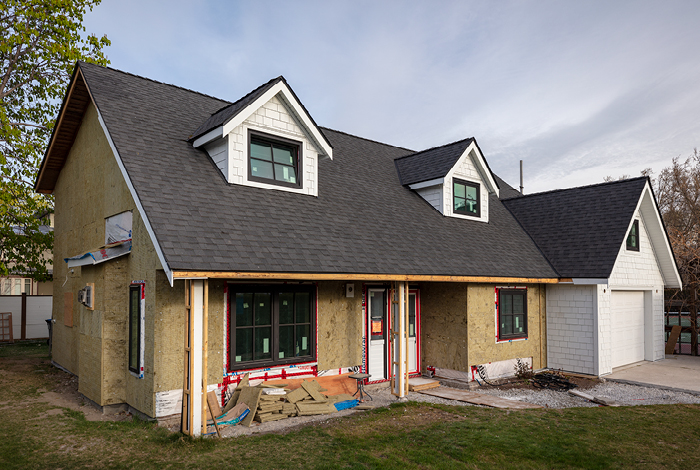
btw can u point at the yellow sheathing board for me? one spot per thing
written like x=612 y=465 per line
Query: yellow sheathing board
x=443 y=308
x=481 y=328
x=89 y=188
x=339 y=326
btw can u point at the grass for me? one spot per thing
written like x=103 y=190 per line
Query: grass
x=33 y=434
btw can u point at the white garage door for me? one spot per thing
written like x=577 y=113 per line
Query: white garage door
x=627 y=327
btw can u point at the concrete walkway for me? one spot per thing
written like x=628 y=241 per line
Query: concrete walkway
x=678 y=373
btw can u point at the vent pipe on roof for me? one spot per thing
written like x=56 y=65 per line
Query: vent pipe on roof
x=521 y=177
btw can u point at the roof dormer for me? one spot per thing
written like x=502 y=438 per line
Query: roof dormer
x=455 y=179
x=266 y=139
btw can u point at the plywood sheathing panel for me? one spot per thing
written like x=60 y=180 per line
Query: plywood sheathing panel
x=339 y=326
x=89 y=188
x=444 y=325
x=482 y=345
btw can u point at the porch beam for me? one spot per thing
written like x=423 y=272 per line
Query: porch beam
x=235 y=275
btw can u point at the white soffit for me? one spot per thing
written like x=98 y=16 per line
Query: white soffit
x=427 y=184
x=208 y=137
x=481 y=167
x=287 y=97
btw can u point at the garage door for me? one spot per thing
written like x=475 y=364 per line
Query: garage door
x=627 y=327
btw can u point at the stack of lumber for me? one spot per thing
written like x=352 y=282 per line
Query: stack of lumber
x=272 y=401
x=416 y=384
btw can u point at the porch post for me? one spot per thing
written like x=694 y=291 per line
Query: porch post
x=197 y=349
x=399 y=338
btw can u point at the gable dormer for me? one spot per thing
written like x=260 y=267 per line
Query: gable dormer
x=454 y=179
x=266 y=139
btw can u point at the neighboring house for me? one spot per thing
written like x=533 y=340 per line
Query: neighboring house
x=17 y=283
x=281 y=245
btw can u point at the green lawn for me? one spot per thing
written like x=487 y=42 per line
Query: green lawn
x=404 y=436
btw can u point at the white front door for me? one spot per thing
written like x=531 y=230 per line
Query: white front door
x=378 y=333
x=413 y=323
x=627 y=327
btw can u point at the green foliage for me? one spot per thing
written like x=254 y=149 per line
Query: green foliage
x=40 y=44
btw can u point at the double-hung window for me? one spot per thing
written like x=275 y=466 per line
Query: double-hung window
x=633 y=237
x=274 y=160
x=465 y=196
x=512 y=313
x=271 y=325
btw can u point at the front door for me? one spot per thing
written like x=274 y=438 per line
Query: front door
x=378 y=333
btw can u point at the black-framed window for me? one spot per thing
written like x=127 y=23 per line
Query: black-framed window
x=512 y=313
x=135 y=313
x=633 y=237
x=274 y=160
x=271 y=325
x=466 y=198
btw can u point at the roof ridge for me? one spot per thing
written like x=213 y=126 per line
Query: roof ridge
x=435 y=147
x=627 y=180
x=365 y=138
x=248 y=94
x=82 y=63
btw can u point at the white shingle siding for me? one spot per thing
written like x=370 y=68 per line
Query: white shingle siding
x=640 y=271
x=570 y=328
x=433 y=195
x=466 y=170
x=275 y=119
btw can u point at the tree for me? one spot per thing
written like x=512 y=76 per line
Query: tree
x=40 y=44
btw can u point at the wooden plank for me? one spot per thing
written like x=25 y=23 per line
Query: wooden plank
x=417 y=384
x=205 y=352
x=312 y=390
x=6 y=327
x=218 y=433
x=478 y=399
x=359 y=277
x=673 y=339
x=250 y=396
x=213 y=403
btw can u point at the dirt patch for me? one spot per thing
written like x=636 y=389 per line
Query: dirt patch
x=582 y=383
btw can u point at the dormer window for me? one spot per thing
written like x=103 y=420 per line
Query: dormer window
x=274 y=160
x=466 y=198
x=633 y=237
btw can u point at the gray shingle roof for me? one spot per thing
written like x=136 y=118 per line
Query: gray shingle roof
x=430 y=164
x=226 y=113
x=363 y=221
x=580 y=230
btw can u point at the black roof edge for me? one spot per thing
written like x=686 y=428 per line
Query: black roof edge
x=435 y=148
x=365 y=139
x=578 y=187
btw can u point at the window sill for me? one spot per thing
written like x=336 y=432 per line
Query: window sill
x=510 y=340
x=270 y=364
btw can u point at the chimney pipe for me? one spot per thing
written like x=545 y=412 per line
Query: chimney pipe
x=521 y=177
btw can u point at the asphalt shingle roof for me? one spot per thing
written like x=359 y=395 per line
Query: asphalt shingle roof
x=580 y=230
x=363 y=221
x=430 y=164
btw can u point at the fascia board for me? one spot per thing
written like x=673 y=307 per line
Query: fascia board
x=209 y=137
x=427 y=184
x=584 y=281
x=665 y=249
x=480 y=165
x=289 y=99
x=132 y=190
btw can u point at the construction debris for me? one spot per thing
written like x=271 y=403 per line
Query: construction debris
x=271 y=402
x=591 y=398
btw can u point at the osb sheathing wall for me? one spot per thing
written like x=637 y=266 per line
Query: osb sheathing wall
x=481 y=327
x=443 y=308
x=169 y=331
x=339 y=326
x=458 y=327
x=90 y=188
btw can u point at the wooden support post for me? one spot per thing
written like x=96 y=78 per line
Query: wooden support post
x=23 y=329
x=187 y=412
x=205 y=350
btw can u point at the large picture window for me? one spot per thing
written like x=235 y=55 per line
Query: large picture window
x=512 y=313
x=465 y=195
x=274 y=160
x=271 y=325
x=136 y=325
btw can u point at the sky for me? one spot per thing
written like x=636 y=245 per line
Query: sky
x=577 y=90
